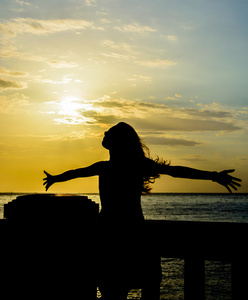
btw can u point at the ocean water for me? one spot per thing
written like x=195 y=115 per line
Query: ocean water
x=187 y=207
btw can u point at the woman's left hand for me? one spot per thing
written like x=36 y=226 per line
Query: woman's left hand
x=227 y=180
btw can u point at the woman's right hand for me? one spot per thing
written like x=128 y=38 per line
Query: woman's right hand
x=48 y=181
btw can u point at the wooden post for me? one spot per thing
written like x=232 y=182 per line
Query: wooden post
x=194 y=279
x=51 y=244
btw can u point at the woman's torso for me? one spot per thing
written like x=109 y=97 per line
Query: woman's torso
x=120 y=193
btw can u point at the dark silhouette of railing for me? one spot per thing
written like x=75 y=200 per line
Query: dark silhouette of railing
x=196 y=242
x=49 y=247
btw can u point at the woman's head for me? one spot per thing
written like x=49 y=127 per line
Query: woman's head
x=126 y=147
x=121 y=137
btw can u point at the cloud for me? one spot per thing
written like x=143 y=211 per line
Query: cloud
x=161 y=117
x=144 y=78
x=25 y=3
x=184 y=125
x=125 y=51
x=116 y=55
x=64 y=80
x=8 y=51
x=121 y=46
x=10 y=84
x=147 y=116
x=207 y=113
x=105 y=21
x=172 y=37
x=13 y=103
x=135 y=27
x=174 y=97
x=72 y=136
x=194 y=158
x=90 y=2
x=12 y=73
x=11 y=51
x=43 y=27
x=62 y=64
x=170 y=141
x=156 y=63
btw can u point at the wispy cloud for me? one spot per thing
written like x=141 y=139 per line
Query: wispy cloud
x=25 y=3
x=147 y=116
x=8 y=51
x=116 y=55
x=90 y=2
x=72 y=136
x=121 y=51
x=62 y=64
x=194 y=157
x=135 y=27
x=10 y=84
x=154 y=140
x=119 y=46
x=12 y=73
x=13 y=104
x=172 y=38
x=176 y=96
x=144 y=78
x=42 y=27
x=162 y=63
x=12 y=51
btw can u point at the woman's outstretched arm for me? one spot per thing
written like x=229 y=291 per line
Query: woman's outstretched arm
x=91 y=170
x=223 y=177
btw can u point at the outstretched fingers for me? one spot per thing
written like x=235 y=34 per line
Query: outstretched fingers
x=236 y=179
x=233 y=186
x=229 y=190
x=228 y=181
x=229 y=171
x=47 y=180
x=235 y=183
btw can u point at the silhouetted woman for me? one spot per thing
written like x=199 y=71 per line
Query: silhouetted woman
x=126 y=255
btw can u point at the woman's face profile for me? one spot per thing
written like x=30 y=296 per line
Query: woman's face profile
x=108 y=138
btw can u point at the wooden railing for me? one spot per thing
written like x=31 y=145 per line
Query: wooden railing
x=196 y=242
x=39 y=233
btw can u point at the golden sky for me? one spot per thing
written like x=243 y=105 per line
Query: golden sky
x=175 y=70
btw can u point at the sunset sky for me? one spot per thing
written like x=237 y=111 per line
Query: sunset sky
x=176 y=70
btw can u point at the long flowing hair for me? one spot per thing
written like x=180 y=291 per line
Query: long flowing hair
x=126 y=147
